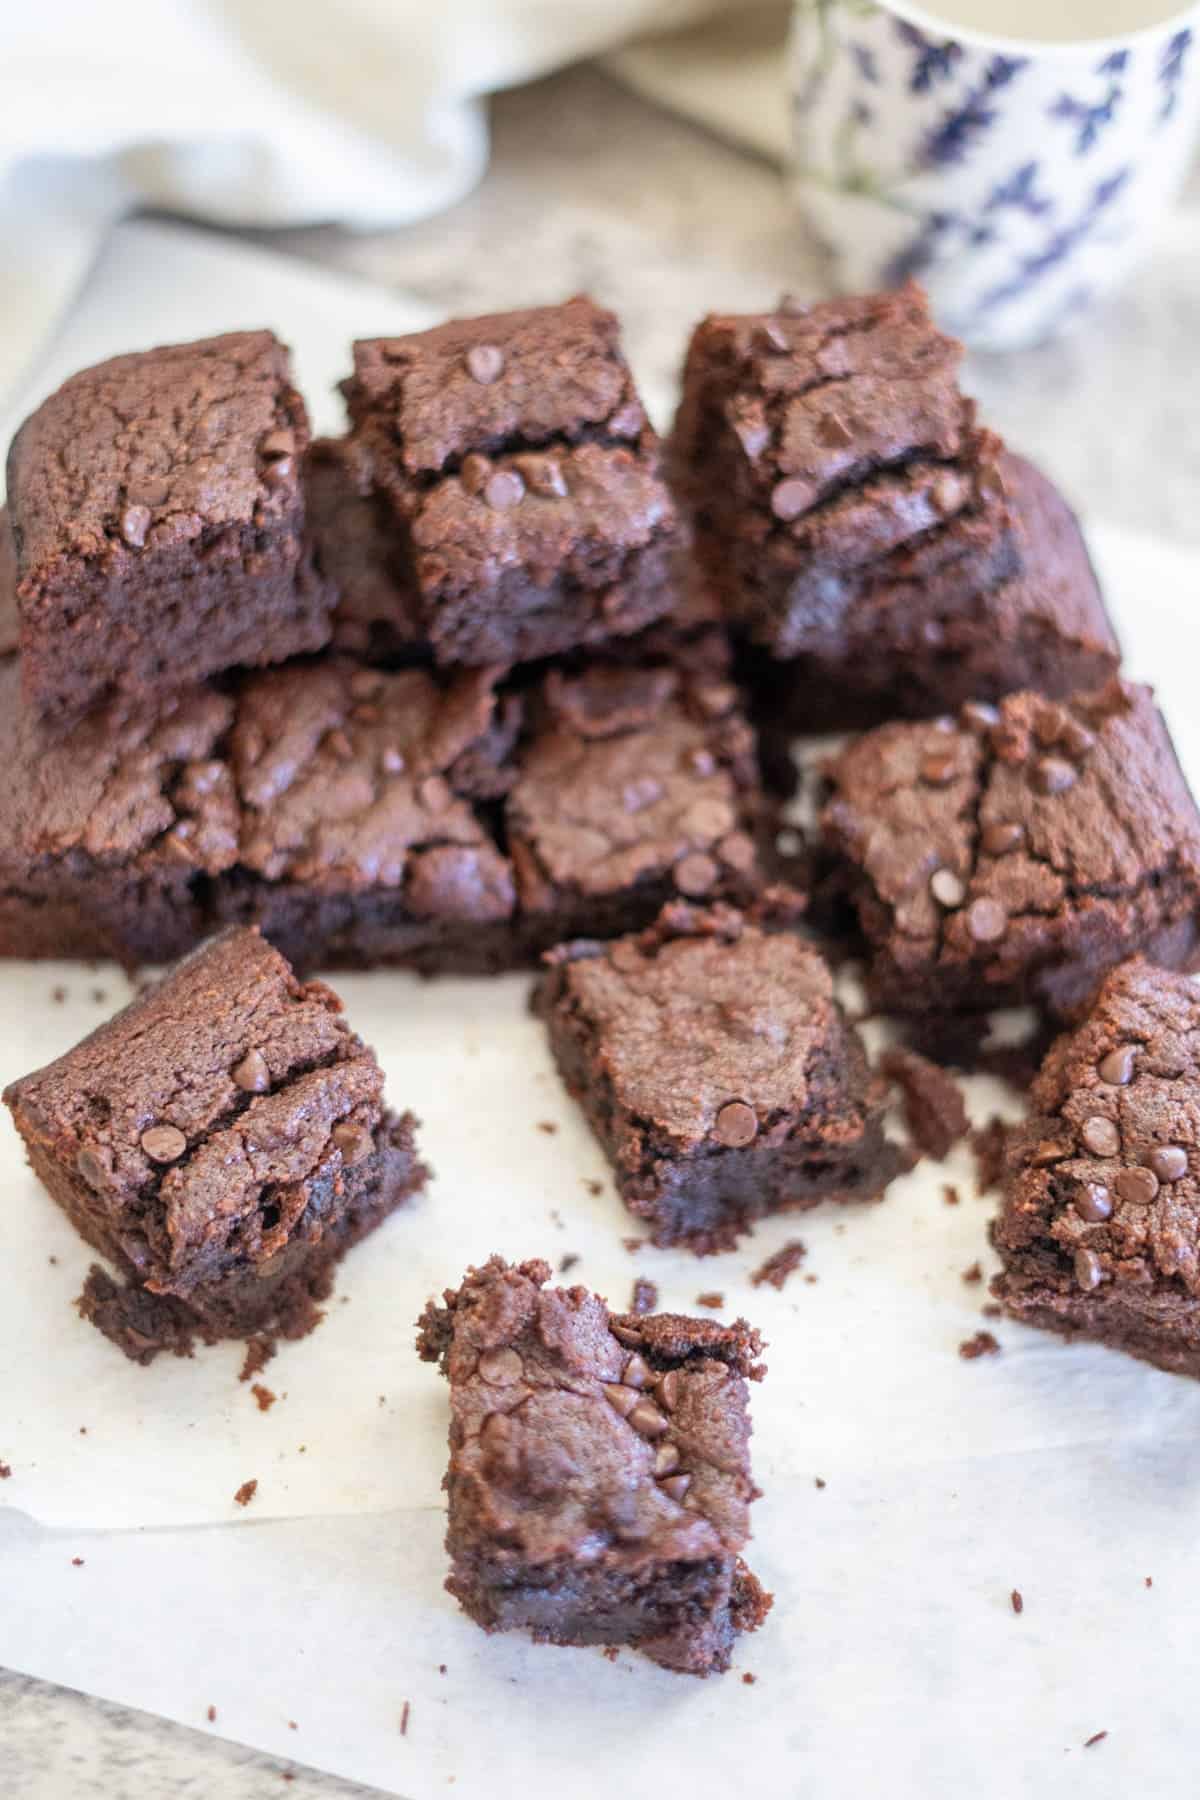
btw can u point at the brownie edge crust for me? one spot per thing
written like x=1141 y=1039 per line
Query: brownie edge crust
x=599 y=1480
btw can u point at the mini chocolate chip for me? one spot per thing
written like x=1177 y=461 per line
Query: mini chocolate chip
x=696 y=874
x=474 y=471
x=1047 y=725
x=163 y=1143
x=947 y=494
x=834 y=432
x=1088 y=1272
x=736 y=1125
x=434 y=794
x=1001 y=836
x=1137 y=1186
x=667 y=1389
x=278 y=471
x=1093 y=1203
x=714 y=698
x=1076 y=738
x=135 y=523
x=504 y=489
x=753 y=436
x=666 y=1459
x=252 y=1074
x=1168 y=1161
x=485 y=363
x=647 y=1419
x=939 y=768
x=500 y=1368
x=792 y=497
x=987 y=921
x=1116 y=1069
x=354 y=1141
x=543 y=476
x=768 y=336
x=947 y=888
x=625 y=1334
x=391 y=760
x=1051 y=1150
x=677 y=1486
x=979 y=715
x=1100 y=1136
x=636 y=1373
x=621 y=1399
x=92 y=1167
x=1052 y=775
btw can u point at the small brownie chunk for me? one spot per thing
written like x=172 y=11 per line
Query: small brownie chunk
x=718 y=1072
x=923 y=641
x=638 y=784
x=520 y=483
x=1019 y=854
x=1100 y=1228
x=818 y=449
x=9 y=627
x=599 y=1481
x=222 y=1141
x=159 y=524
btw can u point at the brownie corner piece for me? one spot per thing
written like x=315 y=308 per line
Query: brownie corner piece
x=522 y=480
x=1099 y=1232
x=716 y=1067
x=1017 y=853
x=221 y=1142
x=159 y=523
x=599 y=1481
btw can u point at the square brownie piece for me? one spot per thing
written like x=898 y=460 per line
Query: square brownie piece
x=599 y=1481
x=1100 y=1228
x=636 y=784
x=222 y=1141
x=521 y=482
x=159 y=524
x=718 y=1072
x=822 y=449
x=1018 y=853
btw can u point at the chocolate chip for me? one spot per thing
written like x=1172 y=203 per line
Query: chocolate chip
x=714 y=698
x=1168 y=1161
x=500 y=1368
x=625 y=1334
x=947 y=494
x=736 y=1125
x=1051 y=1150
x=1047 y=725
x=1088 y=1271
x=1076 y=738
x=1137 y=1186
x=474 y=471
x=769 y=336
x=252 y=1074
x=987 y=921
x=1100 y=1136
x=1116 y=1069
x=939 y=768
x=667 y=1389
x=1052 y=775
x=696 y=874
x=737 y=852
x=792 y=497
x=93 y=1168
x=504 y=489
x=677 y=1486
x=354 y=1141
x=834 y=432
x=1002 y=836
x=753 y=436
x=647 y=1419
x=135 y=523
x=978 y=715
x=947 y=888
x=278 y=471
x=485 y=363
x=666 y=1460
x=621 y=1399
x=1093 y=1203
x=163 y=1143
x=543 y=476
x=636 y=1373
x=391 y=760
x=434 y=794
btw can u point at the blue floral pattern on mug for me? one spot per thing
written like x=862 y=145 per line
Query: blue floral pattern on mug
x=1018 y=183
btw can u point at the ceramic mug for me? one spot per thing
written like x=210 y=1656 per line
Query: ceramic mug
x=1017 y=177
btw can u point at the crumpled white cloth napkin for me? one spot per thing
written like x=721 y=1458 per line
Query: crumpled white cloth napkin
x=249 y=112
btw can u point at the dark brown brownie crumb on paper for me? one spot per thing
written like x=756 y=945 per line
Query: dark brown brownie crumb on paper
x=933 y=1104
x=714 y=1300
x=777 y=1268
x=988 y=1146
x=264 y=1397
x=1018 y=1601
x=982 y=1344
x=259 y=1352
x=245 y=1493
x=645 y=1296
x=973 y=1275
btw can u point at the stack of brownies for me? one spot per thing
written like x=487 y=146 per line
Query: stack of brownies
x=490 y=680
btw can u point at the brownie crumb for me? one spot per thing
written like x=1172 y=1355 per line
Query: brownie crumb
x=58 y=995
x=610 y=1653
x=265 y=1398
x=645 y=1296
x=633 y=1244
x=992 y=1310
x=259 y=1352
x=211 y=1715
x=777 y=1268
x=404 y=1713
x=441 y=1668
x=99 y=995
x=749 y=1679
x=593 y=1186
x=548 y=1126
x=819 y=1482
x=568 y=1263
x=712 y=1299
x=1149 y=1581
x=1097 y=1737
x=1018 y=1601
x=982 y=1344
x=933 y=1104
x=53 y=1261
x=988 y=1146
x=5 y=1471
x=973 y=1274
x=245 y=1493
x=292 y=1725
x=77 y=1562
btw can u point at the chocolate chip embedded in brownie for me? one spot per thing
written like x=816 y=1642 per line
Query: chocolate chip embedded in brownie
x=816 y=447
x=718 y=1072
x=1017 y=854
x=640 y=784
x=1100 y=1228
x=159 y=524
x=222 y=1141
x=599 y=1481
x=522 y=483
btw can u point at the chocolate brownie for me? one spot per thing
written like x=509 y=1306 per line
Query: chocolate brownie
x=1100 y=1228
x=1016 y=854
x=158 y=516
x=518 y=484
x=599 y=1481
x=221 y=1141
x=915 y=644
x=8 y=587
x=376 y=612
x=718 y=1072
x=821 y=450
